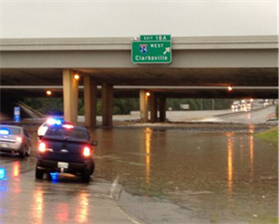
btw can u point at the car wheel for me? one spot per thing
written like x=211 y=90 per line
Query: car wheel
x=28 y=152
x=22 y=154
x=92 y=169
x=39 y=173
x=85 y=176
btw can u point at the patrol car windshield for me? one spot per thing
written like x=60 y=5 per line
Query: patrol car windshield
x=59 y=131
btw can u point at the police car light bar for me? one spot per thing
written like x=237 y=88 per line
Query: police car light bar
x=53 y=121
x=4 y=132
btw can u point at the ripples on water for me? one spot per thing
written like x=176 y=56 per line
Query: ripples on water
x=223 y=171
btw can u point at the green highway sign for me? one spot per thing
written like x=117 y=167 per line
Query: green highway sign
x=152 y=51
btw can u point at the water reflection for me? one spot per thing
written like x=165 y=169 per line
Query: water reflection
x=37 y=206
x=46 y=205
x=251 y=157
x=251 y=144
x=2 y=173
x=230 y=162
x=3 y=179
x=251 y=128
x=148 y=134
x=16 y=177
x=82 y=210
x=62 y=212
x=16 y=169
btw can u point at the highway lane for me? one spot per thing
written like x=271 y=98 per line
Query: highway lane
x=257 y=116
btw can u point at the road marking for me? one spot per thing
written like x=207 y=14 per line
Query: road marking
x=112 y=190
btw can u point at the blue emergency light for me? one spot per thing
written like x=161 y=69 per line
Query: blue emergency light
x=4 y=132
x=53 y=121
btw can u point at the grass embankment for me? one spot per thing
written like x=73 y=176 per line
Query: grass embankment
x=269 y=135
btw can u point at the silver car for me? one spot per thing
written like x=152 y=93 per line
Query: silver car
x=15 y=139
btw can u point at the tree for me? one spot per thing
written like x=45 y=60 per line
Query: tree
x=125 y=106
x=54 y=106
x=48 y=106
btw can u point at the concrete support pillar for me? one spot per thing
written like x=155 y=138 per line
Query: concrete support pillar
x=107 y=104
x=162 y=108
x=90 y=102
x=143 y=106
x=70 y=96
x=153 y=108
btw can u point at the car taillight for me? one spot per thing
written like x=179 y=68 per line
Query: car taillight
x=42 y=147
x=86 y=151
x=19 y=139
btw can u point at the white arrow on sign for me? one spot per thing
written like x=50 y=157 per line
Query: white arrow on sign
x=167 y=50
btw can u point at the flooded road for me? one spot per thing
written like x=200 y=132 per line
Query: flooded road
x=66 y=199
x=178 y=174
x=222 y=175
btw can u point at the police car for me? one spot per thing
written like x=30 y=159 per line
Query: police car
x=15 y=139
x=65 y=149
x=50 y=121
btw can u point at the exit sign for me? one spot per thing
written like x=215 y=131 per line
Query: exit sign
x=155 y=37
x=152 y=49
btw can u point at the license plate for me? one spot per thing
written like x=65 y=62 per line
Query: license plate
x=63 y=165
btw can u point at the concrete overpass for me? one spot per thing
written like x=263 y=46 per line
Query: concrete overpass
x=201 y=66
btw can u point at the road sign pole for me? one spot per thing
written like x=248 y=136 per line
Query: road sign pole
x=16 y=114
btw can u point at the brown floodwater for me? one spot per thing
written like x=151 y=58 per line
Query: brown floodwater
x=223 y=173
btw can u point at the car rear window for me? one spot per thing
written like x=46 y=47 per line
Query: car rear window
x=11 y=130
x=61 y=132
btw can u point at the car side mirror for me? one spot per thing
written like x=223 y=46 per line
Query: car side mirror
x=94 y=143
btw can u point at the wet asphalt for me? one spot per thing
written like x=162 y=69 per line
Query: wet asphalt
x=65 y=200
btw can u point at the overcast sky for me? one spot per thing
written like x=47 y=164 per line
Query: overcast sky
x=25 y=19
